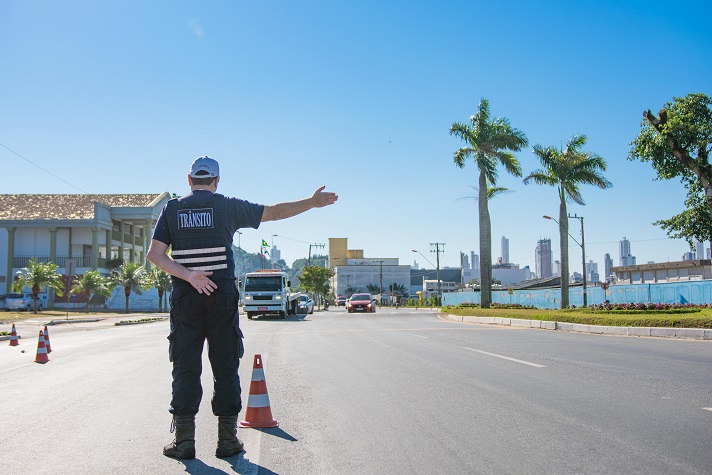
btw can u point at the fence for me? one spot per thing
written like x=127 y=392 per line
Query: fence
x=697 y=292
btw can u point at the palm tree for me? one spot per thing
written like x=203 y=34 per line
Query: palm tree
x=131 y=276
x=37 y=275
x=490 y=141
x=161 y=280
x=567 y=169
x=90 y=283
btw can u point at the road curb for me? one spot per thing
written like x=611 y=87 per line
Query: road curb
x=657 y=332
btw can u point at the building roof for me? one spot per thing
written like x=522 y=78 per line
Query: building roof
x=37 y=207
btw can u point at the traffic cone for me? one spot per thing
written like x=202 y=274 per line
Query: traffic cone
x=41 y=350
x=47 y=345
x=258 y=413
x=13 y=337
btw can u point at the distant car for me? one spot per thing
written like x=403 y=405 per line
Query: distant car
x=340 y=301
x=21 y=302
x=305 y=304
x=361 y=303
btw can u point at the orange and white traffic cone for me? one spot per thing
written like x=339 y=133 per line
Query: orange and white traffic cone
x=13 y=337
x=41 y=350
x=258 y=413
x=48 y=347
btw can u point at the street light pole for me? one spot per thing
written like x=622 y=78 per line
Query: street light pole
x=237 y=264
x=380 y=288
x=583 y=252
x=583 y=258
x=437 y=259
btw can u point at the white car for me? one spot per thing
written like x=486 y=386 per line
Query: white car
x=18 y=301
x=305 y=304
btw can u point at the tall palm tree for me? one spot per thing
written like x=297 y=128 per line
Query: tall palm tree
x=161 y=280
x=37 y=275
x=131 y=276
x=490 y=142
x=567 y=169
x=92 y=282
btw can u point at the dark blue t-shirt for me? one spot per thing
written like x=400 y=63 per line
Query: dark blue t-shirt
x=240 y=214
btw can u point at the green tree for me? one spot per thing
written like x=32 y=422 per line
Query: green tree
x=161 y=280
x=374 y=289
x=566 y=170
x=92 y=282
x=37 y=275
x=490 y=142
x=315 y=279
x=692 y=224
x=677 y=143
x=132 y=277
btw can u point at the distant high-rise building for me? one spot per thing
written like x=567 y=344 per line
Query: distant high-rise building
x=592 y=272
x=688 y=256
x=475 y=259
x=505 y=250
x=464 y=260
x=626 y=259
x=556 y=269
x=607 y=265
x=276 y=254
x=700 y=249
x=543 y=258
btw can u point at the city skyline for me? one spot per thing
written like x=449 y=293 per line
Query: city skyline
x=120 y=98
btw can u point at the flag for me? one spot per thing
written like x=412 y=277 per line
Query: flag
x=264 y=243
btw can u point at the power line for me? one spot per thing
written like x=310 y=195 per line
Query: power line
x=43 y=169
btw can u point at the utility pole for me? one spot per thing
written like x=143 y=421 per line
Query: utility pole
x=310 y=246
x=437 y=248
x=380 y=288
x=583 y=258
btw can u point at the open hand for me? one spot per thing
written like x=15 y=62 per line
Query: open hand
x=322 y=198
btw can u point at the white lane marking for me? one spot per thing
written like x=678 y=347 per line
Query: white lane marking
x=505 y=357
x=419 y=336
x=707 y=408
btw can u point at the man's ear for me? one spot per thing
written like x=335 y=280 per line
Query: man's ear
x=190 y=180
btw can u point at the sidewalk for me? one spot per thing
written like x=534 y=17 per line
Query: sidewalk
x=660 y=332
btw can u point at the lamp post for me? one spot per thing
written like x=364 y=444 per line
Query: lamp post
x=583 y=252
x=237 y=263
x=380 y=284
x=583 y=257
x=437 y=271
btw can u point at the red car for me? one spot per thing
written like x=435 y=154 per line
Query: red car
x=361 y=303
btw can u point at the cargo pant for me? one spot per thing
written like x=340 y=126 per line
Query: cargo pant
x=195 y=317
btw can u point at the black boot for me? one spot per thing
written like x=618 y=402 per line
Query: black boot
x=183 y=446
x=228 y=443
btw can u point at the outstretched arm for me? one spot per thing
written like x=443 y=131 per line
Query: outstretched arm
x=198 y=279
x=319 y=199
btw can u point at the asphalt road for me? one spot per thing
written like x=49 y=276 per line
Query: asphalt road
x=398 y=392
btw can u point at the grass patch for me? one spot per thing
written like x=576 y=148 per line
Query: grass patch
x=677 y=318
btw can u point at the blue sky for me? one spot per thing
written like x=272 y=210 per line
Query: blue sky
x=120 y=97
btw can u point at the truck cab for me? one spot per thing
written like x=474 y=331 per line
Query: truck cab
x=268 y=292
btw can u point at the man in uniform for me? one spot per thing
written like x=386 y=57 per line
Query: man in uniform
x=199 y=228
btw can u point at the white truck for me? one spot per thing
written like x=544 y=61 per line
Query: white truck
x=267 y=292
